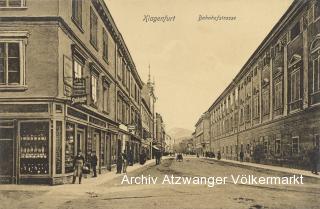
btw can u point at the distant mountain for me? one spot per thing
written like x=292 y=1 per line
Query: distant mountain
x=179 y=134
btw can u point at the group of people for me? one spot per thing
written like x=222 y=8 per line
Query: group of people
x=79 y=164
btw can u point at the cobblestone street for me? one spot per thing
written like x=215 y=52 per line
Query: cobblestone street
x=113 y=194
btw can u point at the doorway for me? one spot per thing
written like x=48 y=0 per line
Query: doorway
x=7 y=152
x=80 y=141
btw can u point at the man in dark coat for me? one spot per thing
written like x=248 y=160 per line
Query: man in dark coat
x=241 y=156
x=119 y=163
x=314 y=160
x=158 y=157
x=78 y=163
x=94 y=162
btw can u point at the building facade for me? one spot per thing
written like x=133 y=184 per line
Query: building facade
x=67 y=83
x=160 y=133
x=203 y=135
x=270 y=111
x=147 y=115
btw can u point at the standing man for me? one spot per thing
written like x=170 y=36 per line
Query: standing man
x=314 y=160
x=241 y=156
x=94 y=162
x=124 y=162
x=119 y=163
x=78 y=163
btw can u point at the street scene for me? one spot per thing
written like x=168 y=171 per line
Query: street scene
x=110 y=193
x=160 y=104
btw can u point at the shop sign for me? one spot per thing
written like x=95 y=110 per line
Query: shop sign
x=79 y=95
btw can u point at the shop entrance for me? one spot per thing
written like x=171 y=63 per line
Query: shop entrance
x=6 y=152
x=80 y=141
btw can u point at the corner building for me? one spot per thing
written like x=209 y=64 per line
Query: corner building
x=67 y=83
x=270 y=111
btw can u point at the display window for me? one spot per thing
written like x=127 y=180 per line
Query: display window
x=34 y=141
x=69 y=147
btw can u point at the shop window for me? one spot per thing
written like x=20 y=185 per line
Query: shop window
x=93 y=29
x=105 y=45
x=6 y=147
x=69 y=147
x=295 y=31
x=11 y=63
x=295 y=145
x=58 y=147
x=34 y=150
x=12 y=3
x=77 y=12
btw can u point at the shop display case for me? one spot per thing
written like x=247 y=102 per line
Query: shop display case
x=69 y=147
x=34 y=156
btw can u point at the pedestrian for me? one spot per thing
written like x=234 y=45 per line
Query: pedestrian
x=314 y=160
x=241 y=156
x=130 y=157
x=143 y=157
x=158 y=156
x=78 y=163
x=94 y=162
x=119 y=163
x=124 y=162
x=219 y=155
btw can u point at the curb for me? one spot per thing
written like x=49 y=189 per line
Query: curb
x=268 y=167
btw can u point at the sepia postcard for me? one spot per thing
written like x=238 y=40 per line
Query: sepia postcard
x=156 y=104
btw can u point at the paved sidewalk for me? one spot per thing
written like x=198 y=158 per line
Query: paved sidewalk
x=270 y=167
x=86 y=183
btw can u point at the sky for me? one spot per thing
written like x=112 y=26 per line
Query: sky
x=192 y=61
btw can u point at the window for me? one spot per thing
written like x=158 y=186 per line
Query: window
x=295 y=31
x=94 y=88
x=77 y=69
x=278 y=95
x=317 y=10
x=93 y=29
x=105 y=45
x=255 y=106
x=295 y=145
x=10 y=63
x=265 y=102
x=316 y=142
x=77 y=12
x=12 y=3
x=119 y=66
x=106 y=97
x=316 y=74
x=265 y=146
x=278 y=146
x=295 y=85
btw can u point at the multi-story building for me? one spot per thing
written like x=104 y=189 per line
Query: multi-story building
x=160 y=133
x=67 y=83
x=202 y=134
x=169 y=143
x=147 y=115
x=270 y=111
